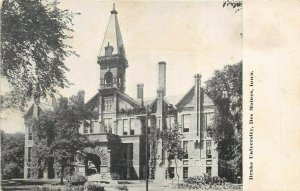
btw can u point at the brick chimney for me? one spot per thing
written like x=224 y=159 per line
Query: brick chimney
x=162 y=76
x=140 y=93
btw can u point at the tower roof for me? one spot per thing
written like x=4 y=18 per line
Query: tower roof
x=112 y=37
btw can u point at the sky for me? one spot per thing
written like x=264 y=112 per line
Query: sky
x=190 y=36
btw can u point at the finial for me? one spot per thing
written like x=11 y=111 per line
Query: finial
x=114 y=10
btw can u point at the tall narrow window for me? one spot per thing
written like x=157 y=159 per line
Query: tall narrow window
x=29 y=154
x=208 y=170
x=92 y=127
x=85 y=127
x=29 y=133
x=126 y=127
x=208 y=121
x=132 y=126
x=185 y=149
x=159 y=123
x=120 y=127
x=208 y=149
x=108 y=125
x=185 y=172
x=108 y=103
x=186 y=123
x=172 y=121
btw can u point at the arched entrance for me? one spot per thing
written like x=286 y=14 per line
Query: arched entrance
x=92 y=164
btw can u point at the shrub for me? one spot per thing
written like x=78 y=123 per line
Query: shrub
x=76 y=180
x=45 y=188
x=75 y=188
x=94 y=187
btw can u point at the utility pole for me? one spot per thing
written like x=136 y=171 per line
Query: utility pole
x=147 y=110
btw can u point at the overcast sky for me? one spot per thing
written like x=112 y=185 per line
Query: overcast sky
x=191 y=37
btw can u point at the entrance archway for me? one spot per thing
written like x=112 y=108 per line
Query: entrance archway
x=92 y=164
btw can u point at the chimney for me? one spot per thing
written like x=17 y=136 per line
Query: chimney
x=140 y=93
x=198 y=100
x=162 y=77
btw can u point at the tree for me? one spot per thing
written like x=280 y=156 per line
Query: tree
x=56 y=135
x=33 y=49
x=12 y=155
x=225 y=88
x=172 y=138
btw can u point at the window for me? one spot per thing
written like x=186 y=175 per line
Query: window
x=92 y=126
x=125 y=126
x=85 y=127
x=108 y=79
x=185 y=172
x=170 y=121
x=208 y=162
x=208 y=121
x=208 y=149
x=197 y=144
x=120 y=127
x=186 y=123
x=115 y=129
x=159 y=123
x=171 y=171
x=132 y=126
x=29 y=154
x=29 y=133
x=108 y=103
x=208 y=170
x=185 y=149
x=108 y=125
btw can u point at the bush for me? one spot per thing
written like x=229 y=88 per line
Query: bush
x=93 y=187
x=45 y=188
x=75 y=188
x=76 y=180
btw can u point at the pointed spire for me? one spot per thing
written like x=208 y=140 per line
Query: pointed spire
x=113 y=39
x=114 y=10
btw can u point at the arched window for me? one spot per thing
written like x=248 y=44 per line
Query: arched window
x=108 y=78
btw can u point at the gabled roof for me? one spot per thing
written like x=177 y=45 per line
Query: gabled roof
x=189 y=93
x=45 y=104
x=128 y=98
x=94 y=99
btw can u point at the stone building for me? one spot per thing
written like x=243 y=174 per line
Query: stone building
x=119 y=129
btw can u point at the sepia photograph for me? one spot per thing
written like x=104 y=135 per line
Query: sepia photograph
x=121 y=95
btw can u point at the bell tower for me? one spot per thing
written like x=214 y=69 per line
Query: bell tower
x=112 y=58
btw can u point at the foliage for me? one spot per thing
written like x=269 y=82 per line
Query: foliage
x=237 y=5
x=94 y=187
x=12 y=155
x=56 y=135
x=154 y=135
x=133 y=111
x=205 y=179
x=45 y=188
x=225 y=88
x=33 y=49
x=76 y=179
x=172 y=138
x=76 y=188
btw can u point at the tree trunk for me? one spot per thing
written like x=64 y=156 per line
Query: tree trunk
x=62 y=175
x=176 y=170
